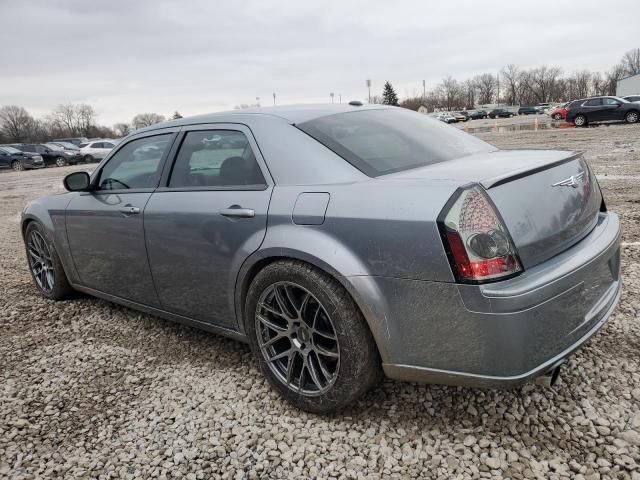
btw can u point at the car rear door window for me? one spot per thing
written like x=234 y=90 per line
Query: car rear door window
x=594 y=102
x=610 y=101
x=136 y=165
x=97 y=145
x=215 y=158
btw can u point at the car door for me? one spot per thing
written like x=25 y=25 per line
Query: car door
x=611 y=109
x=206 y=219
x=5 y=158
x=593 y=109
x=105 y=226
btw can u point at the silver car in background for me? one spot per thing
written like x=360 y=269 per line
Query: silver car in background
x=96 y=150
x=340 y=242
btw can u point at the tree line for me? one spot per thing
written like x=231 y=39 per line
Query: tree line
x=17 y=125
x=512 y=85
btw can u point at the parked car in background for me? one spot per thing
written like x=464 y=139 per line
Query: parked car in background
x=66 y=145
x=51 y=154
x=11 y=157
x=501 y=113
x=311 y=254
x=476 y=114
x=632 y=98
x=445 y=117
x=559 y=113
x=602 y=109
x=528 y=111
x=459 y=116
x=74 y=140
x=96 y=151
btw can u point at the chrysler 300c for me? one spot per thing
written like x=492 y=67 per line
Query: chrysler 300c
x=340 y=242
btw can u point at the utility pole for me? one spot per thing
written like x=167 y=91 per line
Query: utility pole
x=331 y=95
x=498 y=92
x=258 y=101
x=424 y=90
x=340 y=96
x=274 y=98
x=369 y=87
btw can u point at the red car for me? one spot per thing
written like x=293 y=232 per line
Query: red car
x=559 y=113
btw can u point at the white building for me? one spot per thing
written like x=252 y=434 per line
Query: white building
x=628 y=86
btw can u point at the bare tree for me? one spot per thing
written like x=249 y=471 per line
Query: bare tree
x=146 y=119
x=543 y=83
x=631 y=62
x=15 y=123
x=486 y=84
x=512 y=77
x=122 y=129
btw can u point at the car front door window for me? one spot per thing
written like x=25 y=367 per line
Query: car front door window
x=136 y=165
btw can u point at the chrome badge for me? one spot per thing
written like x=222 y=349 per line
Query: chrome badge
x=572 y=181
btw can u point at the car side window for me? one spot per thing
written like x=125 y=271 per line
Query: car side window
x=97 y=145
x=594 y=102
x=136 y=165
x=107 y=145
x=41 y=149
x=610 y=101
x=215 y=158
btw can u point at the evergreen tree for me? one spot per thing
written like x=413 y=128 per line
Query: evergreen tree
x=389 y=95
x=176 y=115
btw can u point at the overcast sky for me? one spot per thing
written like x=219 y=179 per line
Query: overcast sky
x=125 y=57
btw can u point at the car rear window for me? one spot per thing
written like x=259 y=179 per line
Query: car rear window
x=379 y=142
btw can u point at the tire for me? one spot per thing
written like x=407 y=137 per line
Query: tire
x=41 y=251
x=557 y=116
x=320 y=330
x=60 y=162
x=580 y=120
x=632 y=117
x=17 y=166
x=88 y=159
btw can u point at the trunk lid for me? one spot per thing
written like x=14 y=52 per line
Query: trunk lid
x=548 y=200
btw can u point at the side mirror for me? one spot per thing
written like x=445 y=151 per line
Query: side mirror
x=77 y=182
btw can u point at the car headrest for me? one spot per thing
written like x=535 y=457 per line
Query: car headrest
x=235 y=171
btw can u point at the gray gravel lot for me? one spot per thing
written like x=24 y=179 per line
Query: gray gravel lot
x=91 y=389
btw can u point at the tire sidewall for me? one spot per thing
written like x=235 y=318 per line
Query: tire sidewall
x=637 y=117
x=583 y=123
x=17 y=166
x=354 y=337
x=60 y=162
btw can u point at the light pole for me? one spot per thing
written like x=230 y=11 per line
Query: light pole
x=258 y=101
x=274 y=98
x=340 y=97
x=369 y=87
x=331 y=95
x=424 y=90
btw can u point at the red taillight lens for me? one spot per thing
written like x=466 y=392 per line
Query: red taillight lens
x=477 y=242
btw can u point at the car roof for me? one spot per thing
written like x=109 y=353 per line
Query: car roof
x=293 y=114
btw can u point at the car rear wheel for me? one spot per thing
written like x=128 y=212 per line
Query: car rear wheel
x=17 y=165
x=557 y=116
x=88 y=159
x=632 y=117
x=309 y=337
x=44 y=264
x=61 y=162
x=580 y=121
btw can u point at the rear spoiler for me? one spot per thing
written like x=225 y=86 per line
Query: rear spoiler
x=525 y=172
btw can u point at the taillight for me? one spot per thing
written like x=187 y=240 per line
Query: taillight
x=476 y=240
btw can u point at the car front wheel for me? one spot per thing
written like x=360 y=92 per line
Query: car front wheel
x=61 y=162
x=44 y=264
x=309 y=337
x=580 y=121
x=17 y=165
x=632 y=117
x=557 y=116
x=88 y=159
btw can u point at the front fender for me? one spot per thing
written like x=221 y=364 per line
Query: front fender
x=50 y=213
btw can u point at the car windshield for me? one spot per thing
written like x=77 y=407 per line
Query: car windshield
x=54 y=147
x=10 y=149
x=378 y=142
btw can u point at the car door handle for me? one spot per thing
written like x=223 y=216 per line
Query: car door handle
x=238 y=212
x=130 y=210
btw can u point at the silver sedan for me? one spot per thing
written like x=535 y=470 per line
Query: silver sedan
x=340 y=242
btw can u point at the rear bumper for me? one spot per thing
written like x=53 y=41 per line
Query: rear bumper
x=500 y=334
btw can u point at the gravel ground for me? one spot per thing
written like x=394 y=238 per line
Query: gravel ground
x=91 y=389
